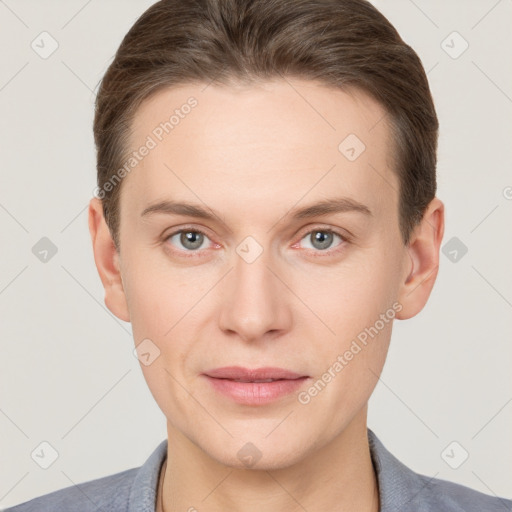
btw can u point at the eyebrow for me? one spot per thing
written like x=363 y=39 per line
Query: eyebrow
x=325 y=207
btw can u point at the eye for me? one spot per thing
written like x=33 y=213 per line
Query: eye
x=190 y=239
x=194 y=240
x=322 y=239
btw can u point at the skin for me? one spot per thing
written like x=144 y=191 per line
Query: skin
x=252 y=154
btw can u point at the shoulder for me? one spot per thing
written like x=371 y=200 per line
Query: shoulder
x=132 y=490
x=438 y=494
x=403 y=490
x=108 y=493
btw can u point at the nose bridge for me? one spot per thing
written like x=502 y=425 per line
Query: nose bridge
x=256 y=302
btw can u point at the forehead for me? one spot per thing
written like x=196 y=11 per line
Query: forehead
x=282 y=138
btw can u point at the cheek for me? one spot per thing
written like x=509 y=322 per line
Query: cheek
x=349 y=365
x=165 y=308
x=159 y=312
x=349 y=300
x=351 y=296
x=157 y=295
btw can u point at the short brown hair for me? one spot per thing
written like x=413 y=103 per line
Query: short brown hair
x=341 y=43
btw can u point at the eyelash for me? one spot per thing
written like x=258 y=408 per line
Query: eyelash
x=318 y=253
x=326 y=252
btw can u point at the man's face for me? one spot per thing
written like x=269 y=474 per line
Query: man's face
x=256 y=286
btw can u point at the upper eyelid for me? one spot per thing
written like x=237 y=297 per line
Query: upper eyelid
x=328 y=230
x=186 y=230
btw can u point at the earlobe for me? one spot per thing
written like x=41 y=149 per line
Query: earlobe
x=107 y=261
x=423 y=251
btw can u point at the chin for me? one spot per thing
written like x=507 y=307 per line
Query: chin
x=260 y=454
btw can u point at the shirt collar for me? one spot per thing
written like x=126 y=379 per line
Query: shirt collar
x=145 y=485
x=398 y=485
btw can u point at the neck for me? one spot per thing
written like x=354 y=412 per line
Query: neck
x=338 y=476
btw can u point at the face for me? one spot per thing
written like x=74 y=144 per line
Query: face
x=265 y=280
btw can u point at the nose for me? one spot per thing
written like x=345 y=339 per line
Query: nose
x=255 y=302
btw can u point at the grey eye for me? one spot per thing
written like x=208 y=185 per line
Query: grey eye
x=321 y=239
x=190 y=240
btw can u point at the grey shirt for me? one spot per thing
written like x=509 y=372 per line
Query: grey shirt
x=400 y=490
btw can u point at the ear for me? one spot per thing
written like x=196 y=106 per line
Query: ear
x=106 y=258
x=423 y=251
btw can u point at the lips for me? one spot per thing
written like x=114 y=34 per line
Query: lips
x=257 y=387
x=240 y=374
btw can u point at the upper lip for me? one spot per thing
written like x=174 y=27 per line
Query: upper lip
x=238 y=372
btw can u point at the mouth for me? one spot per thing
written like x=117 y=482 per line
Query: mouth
x=254 y=387
x=262 y=380
x=241 y=374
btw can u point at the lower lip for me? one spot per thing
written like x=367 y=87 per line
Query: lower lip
x=256 y=393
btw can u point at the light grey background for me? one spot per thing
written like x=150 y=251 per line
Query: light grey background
x=67 y=372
